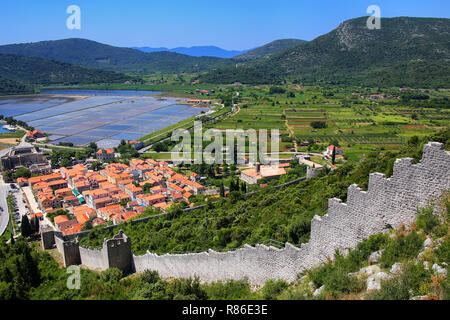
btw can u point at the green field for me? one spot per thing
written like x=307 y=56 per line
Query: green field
x=17 y=134
x=359 y=124
x=353 y=120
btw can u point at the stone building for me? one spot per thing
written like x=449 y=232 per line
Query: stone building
x=252 y=176
x=23 y=156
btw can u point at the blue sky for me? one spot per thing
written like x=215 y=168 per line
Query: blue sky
x=230 y=24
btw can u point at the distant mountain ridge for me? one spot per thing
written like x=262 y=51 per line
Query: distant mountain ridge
x=196 y=51
x=241 y=55
x=404 y=52
x=93 y=54
x=353 y=47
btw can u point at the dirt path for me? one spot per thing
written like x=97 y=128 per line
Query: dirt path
x=291 y=130
x=236 y=112
x=11 y=141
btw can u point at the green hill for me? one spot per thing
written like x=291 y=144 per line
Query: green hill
x=405 y=51
x=265 y=51
x=20 y=73
x=8 y=87
x=92 y=54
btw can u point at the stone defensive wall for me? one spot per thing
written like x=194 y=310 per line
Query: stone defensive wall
x=388 y=203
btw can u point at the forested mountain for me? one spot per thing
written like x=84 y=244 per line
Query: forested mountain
x=20 y=73
x=405 y=51
x=45 y=72
x=92 y=54
x=8 y=87
x=265 y=51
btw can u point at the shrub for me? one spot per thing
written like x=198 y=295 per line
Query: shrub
x=276 y=90
x=442 y=253
x=111 y=275
x=186 y=289
x=150 y=277
x=22 y=173
x=427 y=221
x=318 y=124
x=337 y=282
x=272 y=289
x=402 y=248
x=404 y=286
x=229 y=290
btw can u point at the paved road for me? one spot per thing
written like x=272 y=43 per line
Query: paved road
x=34 y=208
x=145 y=149
x=4 y=214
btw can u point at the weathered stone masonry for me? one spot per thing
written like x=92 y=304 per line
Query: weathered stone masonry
x=387 y=203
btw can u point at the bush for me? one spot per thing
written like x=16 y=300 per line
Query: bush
x=427 y=221
x=404 y=286
x=276 y=90
x=318 y=124
x=272 y=289
x=337 y=282
x=362 y=252
x=186 y=289
x=402 y=248
x=22 y=173
x=112 y=275
x=442 y=253
x=229 y=290
x=150 y=277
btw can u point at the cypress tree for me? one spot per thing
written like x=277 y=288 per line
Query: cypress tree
x=26 y=227
x=333 y=157
x=35 y=225
x=222 y=190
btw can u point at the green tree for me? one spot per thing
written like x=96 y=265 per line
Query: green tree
x=333 y=157
x=22 y=173
x=27 y=230
x=222 y=190
x=66 y=162
x=35 y=225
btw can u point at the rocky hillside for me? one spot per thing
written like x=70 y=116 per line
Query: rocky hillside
x=353 y=47
x=404 y=52
x=265 y=51
x=405 y=264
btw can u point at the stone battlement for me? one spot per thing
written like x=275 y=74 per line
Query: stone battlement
x=388 y=203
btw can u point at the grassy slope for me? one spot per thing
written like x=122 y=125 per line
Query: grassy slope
x=283 y=215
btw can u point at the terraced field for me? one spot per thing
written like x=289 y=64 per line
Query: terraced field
x=358 y=123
